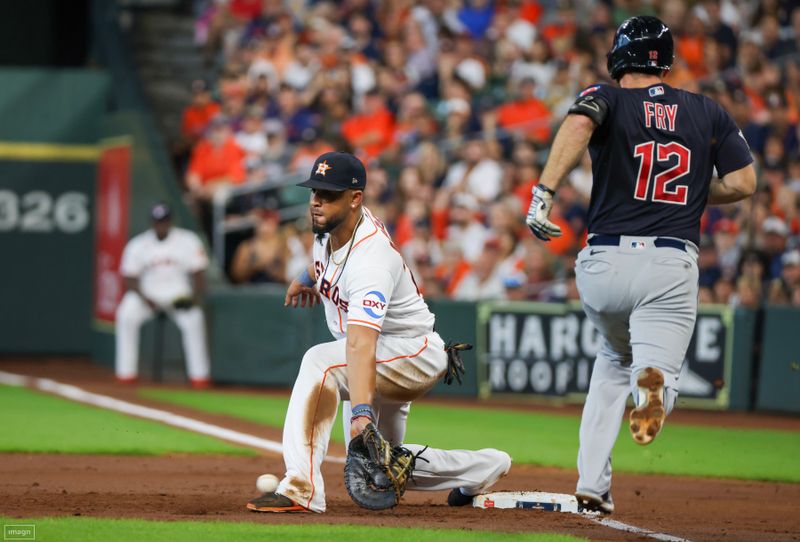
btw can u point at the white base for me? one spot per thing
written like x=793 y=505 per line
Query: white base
x=529 y=500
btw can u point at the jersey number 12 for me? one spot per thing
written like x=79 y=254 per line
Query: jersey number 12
x=663 y=153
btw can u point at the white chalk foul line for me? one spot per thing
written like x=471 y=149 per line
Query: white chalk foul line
x=614 y=524
x=77 y=394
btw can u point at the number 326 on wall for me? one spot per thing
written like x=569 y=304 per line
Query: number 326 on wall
x=38 y=211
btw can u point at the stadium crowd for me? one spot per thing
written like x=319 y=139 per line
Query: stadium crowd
x=452 y=105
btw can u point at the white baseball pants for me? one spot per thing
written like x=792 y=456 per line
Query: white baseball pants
x=133 y=312
x=407 y=368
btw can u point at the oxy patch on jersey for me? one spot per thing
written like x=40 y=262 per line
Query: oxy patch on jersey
x=374 y=304
x=589 y=90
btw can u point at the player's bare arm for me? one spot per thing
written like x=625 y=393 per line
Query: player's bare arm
x=361 y=345
x=735 y=186
x=568 y=147
x=302 y=291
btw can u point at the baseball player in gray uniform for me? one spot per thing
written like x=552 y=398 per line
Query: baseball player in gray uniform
x=654 y=149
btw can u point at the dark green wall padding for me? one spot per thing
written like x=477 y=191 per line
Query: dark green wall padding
x=779 y=373
x=47 y=275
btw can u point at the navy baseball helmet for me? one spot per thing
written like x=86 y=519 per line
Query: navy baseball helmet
x=641 y=44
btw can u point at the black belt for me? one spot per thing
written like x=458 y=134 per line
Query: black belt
x=613 y=241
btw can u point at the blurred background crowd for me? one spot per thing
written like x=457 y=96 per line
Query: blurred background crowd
x=452 y=105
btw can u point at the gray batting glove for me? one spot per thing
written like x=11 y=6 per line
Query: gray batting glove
x=539 y=214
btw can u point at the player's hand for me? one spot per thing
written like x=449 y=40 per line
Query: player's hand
x=538 y=219
x=358 y=425
x=297 y=294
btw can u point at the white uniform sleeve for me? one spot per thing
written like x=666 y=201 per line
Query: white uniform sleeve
x=369 y=291
x=196 y=258
x=132 y=264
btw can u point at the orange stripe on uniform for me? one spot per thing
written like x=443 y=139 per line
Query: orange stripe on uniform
x=316 y=406
x=370 y=324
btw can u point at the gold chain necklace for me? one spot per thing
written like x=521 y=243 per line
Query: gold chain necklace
x=349 y=247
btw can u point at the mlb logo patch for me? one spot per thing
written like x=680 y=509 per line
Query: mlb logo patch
x=589 y=90
x=638 y=244
x=656 y=91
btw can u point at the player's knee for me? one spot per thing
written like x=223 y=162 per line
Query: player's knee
x=128 y=311
x=315 y=357
x=501 y=462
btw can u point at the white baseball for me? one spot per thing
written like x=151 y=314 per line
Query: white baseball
x=267 y=483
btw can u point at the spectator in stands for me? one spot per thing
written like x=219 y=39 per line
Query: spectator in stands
x=483 y=281
x=217 y=161
x=748 y=292
x=371 y=131
x=775 y=233
x=198 y=113
x=299 y=241
x=290 y=111
x=310 y=147
x=783 y=289
x=728 y=251
x=526 y=114
x=251 y=138
x=262 y=258
x=515 y=287
x=465 y=229
x=723 y=291
x=476 y=174
x=707 y=263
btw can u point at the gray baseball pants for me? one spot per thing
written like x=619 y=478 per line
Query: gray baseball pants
x=643 y=300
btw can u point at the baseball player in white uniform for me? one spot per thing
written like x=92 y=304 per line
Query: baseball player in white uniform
x=163 y=271
x=385 y=355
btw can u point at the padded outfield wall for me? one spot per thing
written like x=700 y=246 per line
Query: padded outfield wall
x=48 y=153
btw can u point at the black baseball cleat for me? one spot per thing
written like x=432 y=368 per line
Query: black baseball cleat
x=274 y=502
x=591 y=502
x=647 y=419
x=456 y=498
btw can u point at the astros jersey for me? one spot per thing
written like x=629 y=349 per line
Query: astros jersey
x=371 y=287
x=653 y=154
x=163 y=267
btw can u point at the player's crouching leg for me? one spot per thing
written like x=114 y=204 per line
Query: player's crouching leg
x=306 y=431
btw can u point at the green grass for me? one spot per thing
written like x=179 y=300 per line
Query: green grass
x=37 y=422
x=552 y=440
x=103 y=530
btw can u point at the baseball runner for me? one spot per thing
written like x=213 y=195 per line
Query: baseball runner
x=385 y=353
x=157 y=266
x=653 y=150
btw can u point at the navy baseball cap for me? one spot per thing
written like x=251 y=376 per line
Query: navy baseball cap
x=337 y=171
x=160 y=211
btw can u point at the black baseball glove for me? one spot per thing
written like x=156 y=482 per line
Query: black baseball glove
x=183 y=303
x=376 y=473
x=455 y=367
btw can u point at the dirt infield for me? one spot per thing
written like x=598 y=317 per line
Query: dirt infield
x=195 y=487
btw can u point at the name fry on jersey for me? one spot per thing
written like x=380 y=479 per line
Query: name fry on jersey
x=664 y=115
